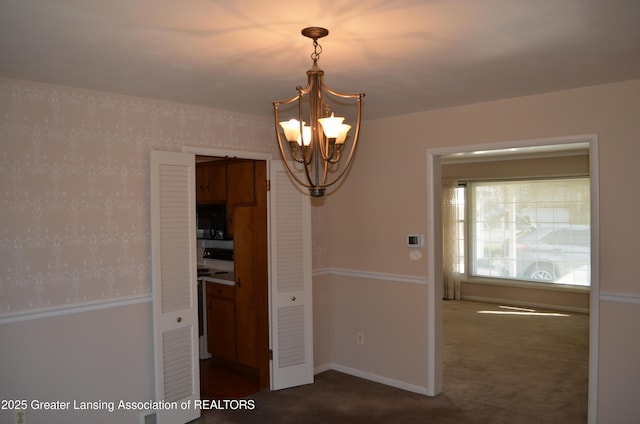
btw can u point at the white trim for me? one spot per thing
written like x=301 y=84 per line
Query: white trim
x=322 y=368
x=372 y=275
x=529 y=304
x=526 y=285
x=620 y=297
x=568 y=288
x=56 y=311
x=434 y=335
x=371 y=377
x=226 y=153
x=594 y=305
x=434 y=291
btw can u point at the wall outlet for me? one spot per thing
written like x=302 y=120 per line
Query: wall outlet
x=360 y=338
x=20 y=416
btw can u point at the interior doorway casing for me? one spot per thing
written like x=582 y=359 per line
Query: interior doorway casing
x=280 y=202
x=263 y=369
x=434 y=260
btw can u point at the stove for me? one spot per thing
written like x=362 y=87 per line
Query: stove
x=215 y=266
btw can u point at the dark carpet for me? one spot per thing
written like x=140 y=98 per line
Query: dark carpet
x=501 y=365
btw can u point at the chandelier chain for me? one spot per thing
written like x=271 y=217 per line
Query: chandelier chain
x=317 y=49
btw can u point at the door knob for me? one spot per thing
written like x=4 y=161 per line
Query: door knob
x=179 y=319
x=293 y=298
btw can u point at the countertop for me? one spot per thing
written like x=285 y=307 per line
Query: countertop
x=228 y=279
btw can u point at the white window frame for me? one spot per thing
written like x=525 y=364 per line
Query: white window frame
x=470 y=236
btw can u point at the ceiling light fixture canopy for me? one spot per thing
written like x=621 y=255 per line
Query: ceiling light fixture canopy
x=319 y=145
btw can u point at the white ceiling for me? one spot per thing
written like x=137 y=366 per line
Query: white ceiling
x=406 y=55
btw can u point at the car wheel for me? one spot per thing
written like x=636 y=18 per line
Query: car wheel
x=541 y=272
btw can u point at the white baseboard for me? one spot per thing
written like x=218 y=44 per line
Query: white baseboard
x=372 y=377
x=530 y=304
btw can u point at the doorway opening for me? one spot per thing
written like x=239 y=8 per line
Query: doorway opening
x=232 y=257
x=435 y=266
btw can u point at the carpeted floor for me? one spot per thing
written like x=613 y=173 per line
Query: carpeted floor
x=501 y=365
x=516 y=365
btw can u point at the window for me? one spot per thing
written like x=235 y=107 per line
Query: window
x=534 y=230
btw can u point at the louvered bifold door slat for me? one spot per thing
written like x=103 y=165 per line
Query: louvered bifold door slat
x=177 y=364
x=175 y=313
x=174 y=236
x=291 y=349
x=291 y=283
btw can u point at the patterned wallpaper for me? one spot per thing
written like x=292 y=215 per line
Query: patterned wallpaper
x=74 y=201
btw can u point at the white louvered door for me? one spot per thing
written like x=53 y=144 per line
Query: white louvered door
x=291 y=298
x=173 y=264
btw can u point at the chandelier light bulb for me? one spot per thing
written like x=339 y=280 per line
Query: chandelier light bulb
x=331 y=125
x=306 y=136
x=291 y=130
x=342 y=135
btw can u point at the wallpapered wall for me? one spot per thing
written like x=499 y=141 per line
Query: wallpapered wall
x=74 y=201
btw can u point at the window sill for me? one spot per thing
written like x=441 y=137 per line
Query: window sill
x=526 y=284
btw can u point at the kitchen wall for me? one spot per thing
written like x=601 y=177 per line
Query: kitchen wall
x=384 y=199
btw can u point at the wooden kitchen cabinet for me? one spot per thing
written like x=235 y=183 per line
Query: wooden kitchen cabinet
x=247 y=285
x=211 y=182
x=240 y=189
x=221 y=321
x=240 y=182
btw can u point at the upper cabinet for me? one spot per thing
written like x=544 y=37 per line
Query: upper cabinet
x=211 y=182
x=226 y=181
x=240 y=182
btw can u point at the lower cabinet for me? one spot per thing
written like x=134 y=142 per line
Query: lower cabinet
x=221 y=321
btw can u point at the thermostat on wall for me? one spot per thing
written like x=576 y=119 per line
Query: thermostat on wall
x=415 y=240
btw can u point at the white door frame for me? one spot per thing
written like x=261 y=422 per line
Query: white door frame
x=268 y=157
x=434 y=261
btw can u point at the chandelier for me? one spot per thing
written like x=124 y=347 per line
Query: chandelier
x=318 y=149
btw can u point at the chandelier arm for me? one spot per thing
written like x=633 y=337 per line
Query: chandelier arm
x=291 y=172
x=342 y=95
x=335 y=157
x=353 y=148
x=324 y=144
x=307 y=151
x=307 y=172
x=281 y=148
x=328 y=156
x=325 y=173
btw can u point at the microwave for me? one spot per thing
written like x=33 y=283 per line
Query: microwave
x=212 y=222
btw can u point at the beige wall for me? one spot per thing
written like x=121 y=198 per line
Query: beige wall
x=56 y=139
x=74 y=224
x=75 y=311
x=96 y=354
x=384 y=198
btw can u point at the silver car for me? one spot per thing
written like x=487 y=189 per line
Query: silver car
x=554 y=254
